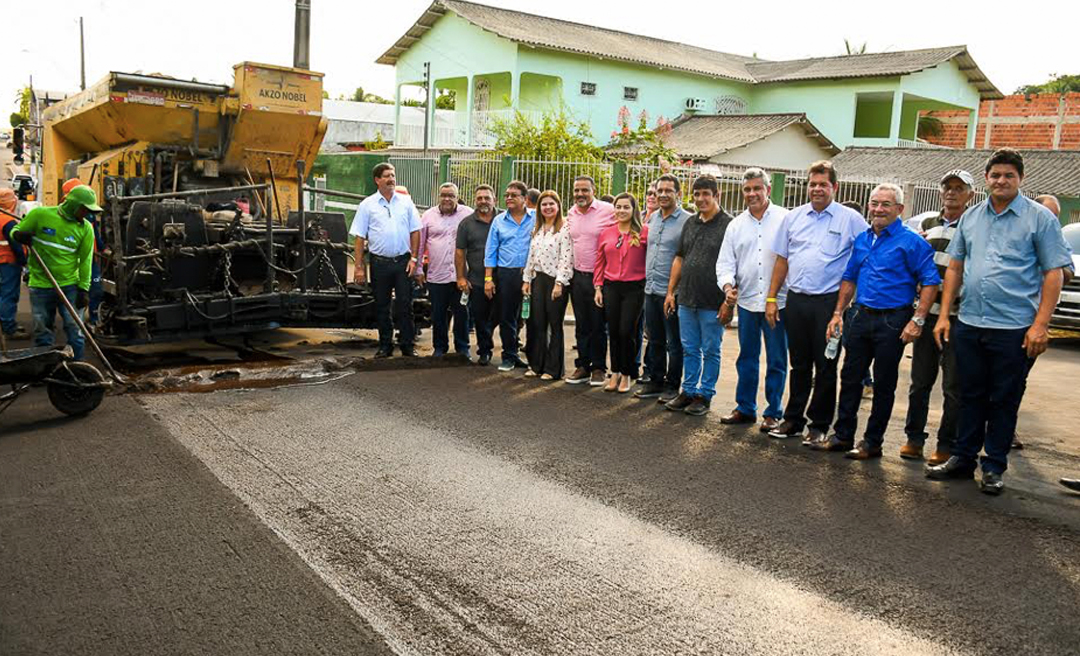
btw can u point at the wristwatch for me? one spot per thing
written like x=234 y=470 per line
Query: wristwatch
x=919 y=321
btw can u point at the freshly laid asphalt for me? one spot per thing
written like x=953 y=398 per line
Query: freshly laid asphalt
x=114 y=540
x=475 y=512
x=464 y=511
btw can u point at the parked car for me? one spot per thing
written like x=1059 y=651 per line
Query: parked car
x=1067 y=313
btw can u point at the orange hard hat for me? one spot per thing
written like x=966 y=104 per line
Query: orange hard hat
x=68 y=186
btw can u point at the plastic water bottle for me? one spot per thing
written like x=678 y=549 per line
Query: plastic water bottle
x=525 y=308
x=465 y=298
x=832 y=349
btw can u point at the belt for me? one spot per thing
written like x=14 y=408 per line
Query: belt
x=870 y=310
x=396 y=258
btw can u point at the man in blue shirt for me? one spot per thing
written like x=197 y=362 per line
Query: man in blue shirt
x=812 y=246
x=1008 y=253
x=504 y=258
x=387 y=231
x=664 y=356
x=888 y=262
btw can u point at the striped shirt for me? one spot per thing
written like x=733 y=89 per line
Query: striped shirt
x=939 y=232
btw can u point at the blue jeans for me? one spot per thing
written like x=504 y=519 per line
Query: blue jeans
x=446 y=301
x=10 y=284
x=992 y=367
x=44 y=304
x=664 y=356
x=752 y=330
x=701 y=333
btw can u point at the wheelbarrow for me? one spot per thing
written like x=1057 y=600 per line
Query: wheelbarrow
x=74 y=388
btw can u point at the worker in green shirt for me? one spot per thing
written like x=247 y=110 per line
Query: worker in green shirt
x=63 y=237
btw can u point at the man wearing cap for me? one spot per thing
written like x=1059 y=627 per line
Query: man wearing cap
x=12 y=261
x=64 y=239
x=1008 y=253
x=957 y=188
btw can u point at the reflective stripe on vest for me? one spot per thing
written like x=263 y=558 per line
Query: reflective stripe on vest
x=52 y=244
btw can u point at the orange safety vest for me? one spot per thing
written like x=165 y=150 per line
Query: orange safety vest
x=7 y=255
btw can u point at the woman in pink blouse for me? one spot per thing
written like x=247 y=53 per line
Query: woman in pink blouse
x=619 y=279
x=546 y=276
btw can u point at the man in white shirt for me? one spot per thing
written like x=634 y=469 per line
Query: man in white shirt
x=744 y=270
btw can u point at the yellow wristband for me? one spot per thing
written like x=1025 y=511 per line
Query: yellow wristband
x=770 y=300
x=488 y=279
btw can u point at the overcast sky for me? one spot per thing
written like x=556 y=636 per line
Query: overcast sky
x=1013 y=42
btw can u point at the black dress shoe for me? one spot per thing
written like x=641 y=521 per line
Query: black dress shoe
x=699 y=407
x=680 y=402
x=815 y=436
x=649 y=391
x=991 y=483
x=483 y=360
x=834 y=443
x=738 y=417
x=384 y=353
x=1017 y=445
x=667 y=396
x=408 y=351
x=785 y=430
x=951 y=469
x=1071 y=483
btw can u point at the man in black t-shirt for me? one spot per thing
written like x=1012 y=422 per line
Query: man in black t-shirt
x=472 y=237
x=694 y=294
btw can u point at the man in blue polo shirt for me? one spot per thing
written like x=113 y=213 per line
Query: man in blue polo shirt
x=887 y=264
x=504 y=258
x=1008 y=254
x=387 y=231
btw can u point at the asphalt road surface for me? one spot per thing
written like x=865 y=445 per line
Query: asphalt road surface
x=471 y=512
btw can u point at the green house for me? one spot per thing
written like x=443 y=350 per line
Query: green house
x=497 y=61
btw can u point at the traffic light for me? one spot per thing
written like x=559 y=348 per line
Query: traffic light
x=17 y=144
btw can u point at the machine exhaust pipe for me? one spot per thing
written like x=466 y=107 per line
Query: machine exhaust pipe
x=302 y=35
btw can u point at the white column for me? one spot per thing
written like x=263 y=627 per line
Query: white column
x=897 y=110
x=468 y=111
x=973 y=127
x=397 y=115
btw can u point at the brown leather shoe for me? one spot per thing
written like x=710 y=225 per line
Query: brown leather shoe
x=863 y=452
x=737 y=417
x=911 y=451
x=580 y=375
x=769 y=424
x=833 y=443
x=938 y=458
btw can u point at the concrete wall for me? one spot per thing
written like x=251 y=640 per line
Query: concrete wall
x=660 y=93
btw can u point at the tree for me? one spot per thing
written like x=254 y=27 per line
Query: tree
x=853 y=49
x=557 y=136
x=929 y=127
x=359 y=95
x=1056 y=84
x=24 y=98
x=445 y=99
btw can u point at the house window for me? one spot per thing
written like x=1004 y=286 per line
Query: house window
x=629 y=93
x=588 y=88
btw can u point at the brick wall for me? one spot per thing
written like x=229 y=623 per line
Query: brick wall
x=1018 y=121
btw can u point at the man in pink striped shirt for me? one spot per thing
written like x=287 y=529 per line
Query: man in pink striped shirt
x=438 y=238
x=586 y=220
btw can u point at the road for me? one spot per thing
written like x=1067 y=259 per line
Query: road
x=463 y=511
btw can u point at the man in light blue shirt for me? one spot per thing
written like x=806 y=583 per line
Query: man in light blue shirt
x=505 y=257
x=812 y=246
x=1008 y=253
x=664 y=356
x=387 y=231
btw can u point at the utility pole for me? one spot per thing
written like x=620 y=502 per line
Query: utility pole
x=82 y=57
x=427 y=102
